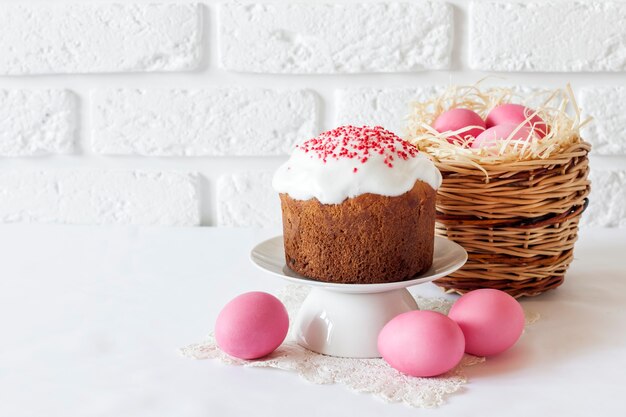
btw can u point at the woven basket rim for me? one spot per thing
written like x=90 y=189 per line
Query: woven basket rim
x=578 y=149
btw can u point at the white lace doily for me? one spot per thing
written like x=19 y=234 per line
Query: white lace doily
x=372 y=376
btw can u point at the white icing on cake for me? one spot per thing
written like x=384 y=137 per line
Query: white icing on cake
x=349 y=161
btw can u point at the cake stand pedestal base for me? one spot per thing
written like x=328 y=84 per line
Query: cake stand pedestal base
x=347 y=324
x=344 y=319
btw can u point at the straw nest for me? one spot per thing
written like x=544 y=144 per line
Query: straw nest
x=515 y=207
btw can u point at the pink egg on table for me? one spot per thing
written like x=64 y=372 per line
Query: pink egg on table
x=421 y=343
x=456 y=119
x=516 y=114
x=251 y=325
x=493 y=135
x=491 y=320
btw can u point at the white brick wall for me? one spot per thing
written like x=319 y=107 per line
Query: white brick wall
x=548 y=36
x=178 y=112
x=201 y=122
x=43 y=38
x=385 y=107
x=608 y=194
x=247 y=199
x=35 y=122
x=335 y=38
x=607 y=105
x=99 y=197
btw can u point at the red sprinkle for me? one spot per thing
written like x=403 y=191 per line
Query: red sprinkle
x=359 y=142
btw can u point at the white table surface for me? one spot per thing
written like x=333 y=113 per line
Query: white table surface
x=91 y=319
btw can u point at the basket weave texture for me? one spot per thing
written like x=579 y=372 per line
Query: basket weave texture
x=517 y=220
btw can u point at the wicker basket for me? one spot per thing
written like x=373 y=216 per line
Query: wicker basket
x=518 y=223
x=515 y=208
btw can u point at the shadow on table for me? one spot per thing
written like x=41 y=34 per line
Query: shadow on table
x=585 y=316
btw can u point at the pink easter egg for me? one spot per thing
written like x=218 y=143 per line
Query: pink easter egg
x=491 y=136
x=251 y=325
x=491 y=320
x=456 y=119
x=421 y=343
x=516 y=114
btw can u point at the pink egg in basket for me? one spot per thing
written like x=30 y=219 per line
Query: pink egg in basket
x=421 y=343
x=491 y=320
x=495 y=134
x=457 y=119
x=251 y=325
x=516 y=114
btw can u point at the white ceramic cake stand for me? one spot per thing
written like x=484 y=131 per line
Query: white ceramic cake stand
x=345 y=319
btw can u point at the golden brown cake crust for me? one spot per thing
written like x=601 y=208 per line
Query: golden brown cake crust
x=366 y=239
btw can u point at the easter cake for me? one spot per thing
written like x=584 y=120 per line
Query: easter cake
x=358 y=206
